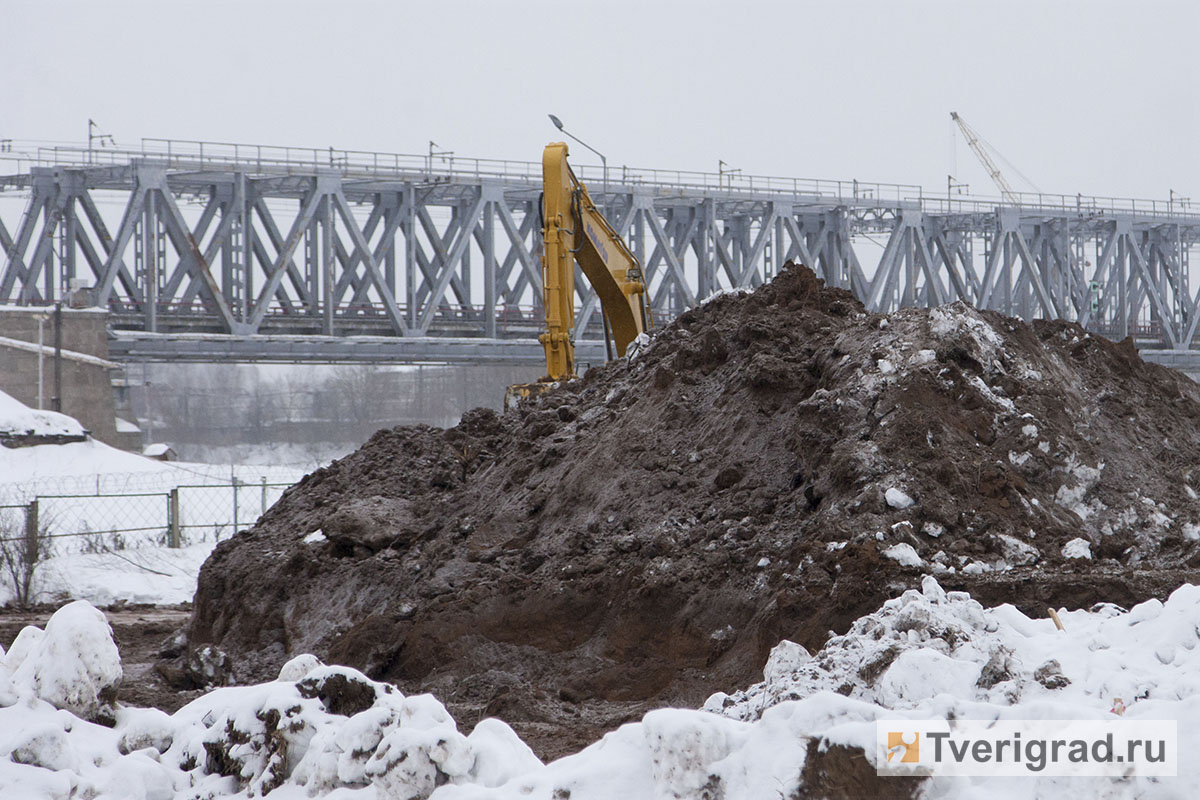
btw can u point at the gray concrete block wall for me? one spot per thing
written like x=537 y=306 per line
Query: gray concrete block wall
x=84 y=329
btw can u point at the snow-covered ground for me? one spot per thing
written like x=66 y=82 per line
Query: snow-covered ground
x=305 y=457
x=76 y=466
x=331 y=732
x=153 y=575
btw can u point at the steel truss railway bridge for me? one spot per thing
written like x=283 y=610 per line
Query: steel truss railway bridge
x=254 y=253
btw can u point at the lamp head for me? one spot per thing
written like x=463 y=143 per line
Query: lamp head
x=557 y=122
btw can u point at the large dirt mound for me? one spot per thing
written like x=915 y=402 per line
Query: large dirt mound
x=772 y=465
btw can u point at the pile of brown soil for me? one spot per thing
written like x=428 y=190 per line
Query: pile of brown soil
x=770 y=466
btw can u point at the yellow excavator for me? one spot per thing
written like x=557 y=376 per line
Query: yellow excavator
x=574 y=230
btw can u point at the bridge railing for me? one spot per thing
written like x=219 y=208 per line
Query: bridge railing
x=436 y=166
x=1079 y=204
x=274 y=159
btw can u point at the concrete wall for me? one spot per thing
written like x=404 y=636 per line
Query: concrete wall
x=84 y=329
x=87 y=392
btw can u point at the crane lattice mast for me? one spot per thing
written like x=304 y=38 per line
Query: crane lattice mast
x=977 y=148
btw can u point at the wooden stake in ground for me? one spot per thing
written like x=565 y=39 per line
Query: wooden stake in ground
x=1054 y=616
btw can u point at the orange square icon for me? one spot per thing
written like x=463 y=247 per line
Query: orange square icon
x=908 y=745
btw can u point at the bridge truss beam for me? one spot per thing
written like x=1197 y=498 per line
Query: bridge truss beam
x=238 y=250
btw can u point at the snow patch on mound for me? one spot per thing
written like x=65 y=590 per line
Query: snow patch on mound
x=19 y=419
x=961 y=324
x=72 y=665
x=905 y=554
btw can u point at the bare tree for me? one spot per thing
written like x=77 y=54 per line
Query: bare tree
x=24 y=543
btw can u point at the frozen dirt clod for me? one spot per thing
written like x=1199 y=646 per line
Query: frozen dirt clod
x=596 y=552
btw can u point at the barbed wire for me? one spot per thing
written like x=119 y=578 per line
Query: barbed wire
x=149 y=480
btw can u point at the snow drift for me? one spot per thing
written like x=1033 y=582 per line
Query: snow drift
x=19 y=421
x=806 y=730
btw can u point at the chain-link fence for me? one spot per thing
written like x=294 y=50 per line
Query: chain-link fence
x=216 y=512
x=90 y=523
x=96 y=523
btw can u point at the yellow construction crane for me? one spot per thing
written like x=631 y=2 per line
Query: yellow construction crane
x=574 y=231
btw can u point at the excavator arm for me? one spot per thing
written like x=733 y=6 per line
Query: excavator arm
x=573 y=231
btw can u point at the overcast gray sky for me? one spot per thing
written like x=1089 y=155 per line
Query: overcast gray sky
x=1099 y=97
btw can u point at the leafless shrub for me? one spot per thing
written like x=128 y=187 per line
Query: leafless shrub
x=21 y=551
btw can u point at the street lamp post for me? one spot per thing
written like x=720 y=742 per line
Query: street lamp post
x=603 y=161
x=41 y=321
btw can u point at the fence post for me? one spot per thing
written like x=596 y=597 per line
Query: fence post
x=262 y=503
x=173 y=524
x=235 y=504
x=31 y=534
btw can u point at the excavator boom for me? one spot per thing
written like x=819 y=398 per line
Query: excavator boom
x=573 y=231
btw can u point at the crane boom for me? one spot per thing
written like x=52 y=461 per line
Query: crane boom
x=977 y=148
